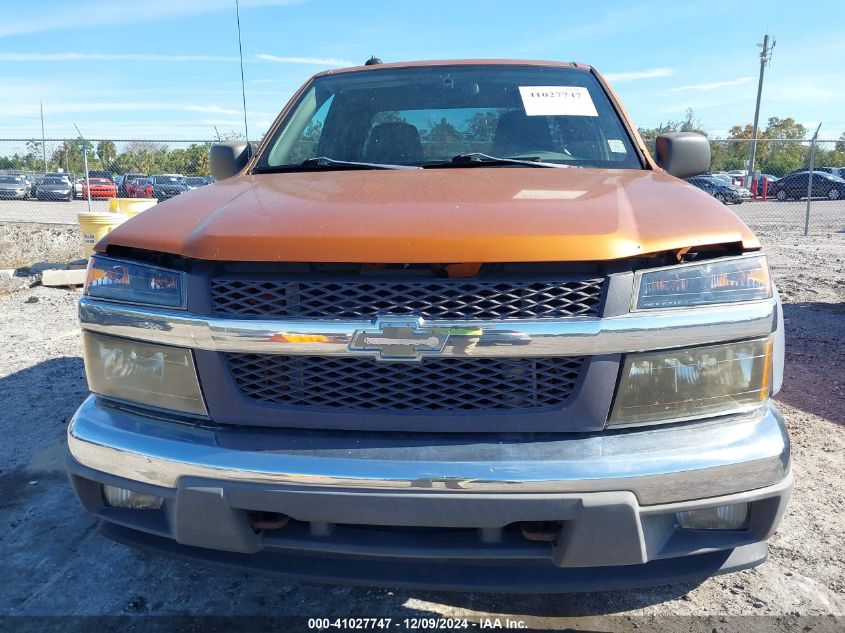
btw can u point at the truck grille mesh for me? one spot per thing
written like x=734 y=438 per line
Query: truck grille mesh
x=431 y=299
x=433 y=384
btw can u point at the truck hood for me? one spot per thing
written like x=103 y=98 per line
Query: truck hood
x=472 y=214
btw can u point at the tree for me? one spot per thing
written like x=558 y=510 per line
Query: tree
x=840 y=144
x=481 y=128
x=734 y=153
x=106 y=152
x=688 y=124
x=785 y=150
x=441 y=139
x=785 y=129
x=196 y=159
x=306 y=145
x=60 y=156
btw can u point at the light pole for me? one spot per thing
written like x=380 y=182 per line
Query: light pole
x=765 y=58
x=43 y=139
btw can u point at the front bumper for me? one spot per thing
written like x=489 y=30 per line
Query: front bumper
x=166 y=195
x=8 y=194
x=54 y=195
x=439 y=511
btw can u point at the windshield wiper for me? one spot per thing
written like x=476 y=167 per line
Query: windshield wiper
x=324 y=162
x=478 y=159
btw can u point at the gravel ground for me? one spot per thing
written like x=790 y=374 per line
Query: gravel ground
x=61 y=565
x=48 y=211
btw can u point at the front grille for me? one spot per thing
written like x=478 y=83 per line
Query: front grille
x=431 y=299
x=433 y=384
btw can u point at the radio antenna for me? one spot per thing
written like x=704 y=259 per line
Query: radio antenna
x=241 y=53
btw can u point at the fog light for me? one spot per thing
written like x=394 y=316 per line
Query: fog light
x=732 y=517
x=148 y=374
x=694 y=382
x=123 y=498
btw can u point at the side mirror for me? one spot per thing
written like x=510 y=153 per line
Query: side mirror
x=227 y=159
x=682 y=154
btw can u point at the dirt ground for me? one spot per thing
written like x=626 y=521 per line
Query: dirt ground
x=62 y=566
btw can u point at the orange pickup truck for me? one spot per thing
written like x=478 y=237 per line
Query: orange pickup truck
x=450 y=326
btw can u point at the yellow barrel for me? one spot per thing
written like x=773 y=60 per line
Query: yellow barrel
x=130 y=206
x=94 y=227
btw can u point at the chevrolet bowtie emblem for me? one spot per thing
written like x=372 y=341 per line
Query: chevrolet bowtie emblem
x=398 y=341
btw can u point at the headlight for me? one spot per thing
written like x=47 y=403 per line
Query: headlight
x=130 y=282
x=159 y=376
x=693 y=382
x=715 y=281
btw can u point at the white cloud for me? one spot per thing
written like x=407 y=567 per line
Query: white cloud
x=635 y=75
x=210 y=109
x=71 y=56
x=317 y=61
x=100 y=13
x=714 y=85
x=126 y=106
x=112 y=57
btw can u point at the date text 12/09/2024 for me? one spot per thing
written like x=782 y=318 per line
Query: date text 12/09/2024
x=414 y=624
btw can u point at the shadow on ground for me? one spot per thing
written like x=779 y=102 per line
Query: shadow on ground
x=814 y=331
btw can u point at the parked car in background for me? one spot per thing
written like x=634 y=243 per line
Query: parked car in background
x=768 y=178
x=102 y=174
x=100 y=188
x=166 y=186
x=719 y=188
x=54 y=188
x=194 y=182
x=33 y=185
x=28 y=178
x=795 y=185
x=136 y=186
x=14 y=187
x=53 y=175
x=833 y=171
x=77 y=188
x=126 y=182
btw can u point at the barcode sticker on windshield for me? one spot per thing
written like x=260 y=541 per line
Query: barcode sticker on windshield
x=557 y=101
x=616 y=146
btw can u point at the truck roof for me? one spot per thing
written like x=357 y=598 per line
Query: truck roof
x=456 y=62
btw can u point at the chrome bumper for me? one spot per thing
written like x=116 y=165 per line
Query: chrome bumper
x=658 y=465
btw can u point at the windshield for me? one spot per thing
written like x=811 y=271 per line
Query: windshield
x=428 y=115
x=194 y=181
x=11 y=180
x=168 y=180
x=54 y=181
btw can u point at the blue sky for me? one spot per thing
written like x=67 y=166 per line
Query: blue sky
x=168 y=68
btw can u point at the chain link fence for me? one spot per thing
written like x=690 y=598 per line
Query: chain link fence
x=783 y=192
x=42 y=182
